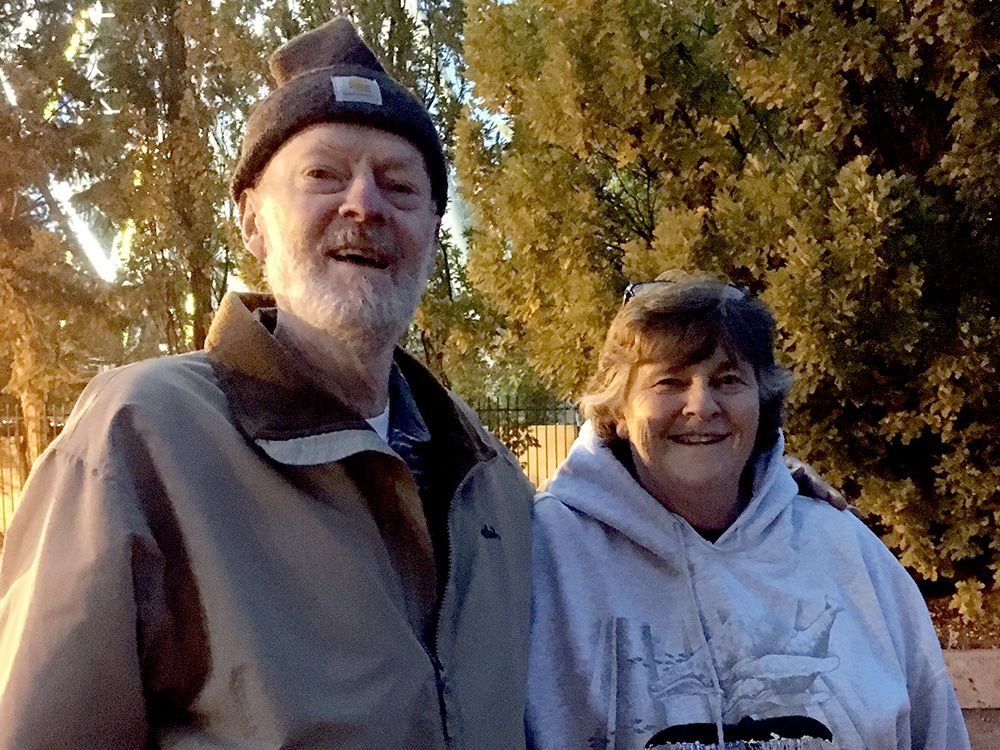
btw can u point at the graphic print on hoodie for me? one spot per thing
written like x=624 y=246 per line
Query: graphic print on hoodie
x=772 y=698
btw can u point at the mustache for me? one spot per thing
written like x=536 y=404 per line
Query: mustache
x=357 y=236
x=358 y=242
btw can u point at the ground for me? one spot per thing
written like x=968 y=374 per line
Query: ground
x=954 y=632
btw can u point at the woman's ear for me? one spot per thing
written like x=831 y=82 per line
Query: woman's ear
x=252 y=225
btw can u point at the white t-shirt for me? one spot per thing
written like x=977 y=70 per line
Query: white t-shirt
x=380 y=423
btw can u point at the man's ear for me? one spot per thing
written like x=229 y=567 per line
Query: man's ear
x=435 y=248
x=251 y=225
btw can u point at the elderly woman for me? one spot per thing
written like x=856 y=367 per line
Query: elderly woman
x=684 y=595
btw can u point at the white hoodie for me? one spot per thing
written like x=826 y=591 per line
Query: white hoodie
x=641 y=624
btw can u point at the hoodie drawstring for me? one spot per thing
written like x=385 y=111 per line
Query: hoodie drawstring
x=716 y=685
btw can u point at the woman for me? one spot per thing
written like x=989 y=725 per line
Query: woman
x=684 y=595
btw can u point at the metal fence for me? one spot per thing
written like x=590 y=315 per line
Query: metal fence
x=538 y=432
x=19 y=443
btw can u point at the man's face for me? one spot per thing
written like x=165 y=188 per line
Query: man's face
x=344 y=221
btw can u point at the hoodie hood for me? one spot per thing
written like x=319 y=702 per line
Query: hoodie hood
x=593 y=482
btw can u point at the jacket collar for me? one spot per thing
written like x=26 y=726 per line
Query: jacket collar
x=273 y=399
x=270 y=395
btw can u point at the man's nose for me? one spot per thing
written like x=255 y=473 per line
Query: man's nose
x=362 y=199
x=700 y=400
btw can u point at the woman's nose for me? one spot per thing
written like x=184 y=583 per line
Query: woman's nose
x=700 y=400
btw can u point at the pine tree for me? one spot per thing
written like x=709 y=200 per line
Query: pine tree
x=59 y=317
x=150 y=100
x=837 y=158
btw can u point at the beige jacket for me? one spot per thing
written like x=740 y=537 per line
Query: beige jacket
x=196 y=564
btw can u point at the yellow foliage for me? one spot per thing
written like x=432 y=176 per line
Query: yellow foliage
x=839 y=159
x=968 y=599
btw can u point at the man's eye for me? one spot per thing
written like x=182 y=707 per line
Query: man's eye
x=325 y=174
x=400 y=188
x=730 y=378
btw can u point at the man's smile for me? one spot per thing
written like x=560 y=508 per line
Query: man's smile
x=368 y=257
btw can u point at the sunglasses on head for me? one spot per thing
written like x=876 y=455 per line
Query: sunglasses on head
x=733 y=292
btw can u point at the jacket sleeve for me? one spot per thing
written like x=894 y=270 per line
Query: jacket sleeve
x=70 y=674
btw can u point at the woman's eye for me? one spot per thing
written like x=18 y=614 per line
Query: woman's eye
x=730 y=378
x=670 y=382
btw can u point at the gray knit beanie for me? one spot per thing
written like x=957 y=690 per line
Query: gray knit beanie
x=330 y=75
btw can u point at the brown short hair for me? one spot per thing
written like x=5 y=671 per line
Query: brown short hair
x=698 y=317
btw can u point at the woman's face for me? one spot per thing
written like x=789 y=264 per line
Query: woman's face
x=691 y=427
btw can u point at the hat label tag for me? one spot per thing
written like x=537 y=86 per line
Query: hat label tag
x=356 y=89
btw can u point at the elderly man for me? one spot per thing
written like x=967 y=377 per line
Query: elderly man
x=295 y=538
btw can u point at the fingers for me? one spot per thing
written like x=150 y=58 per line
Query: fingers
x=811 y=484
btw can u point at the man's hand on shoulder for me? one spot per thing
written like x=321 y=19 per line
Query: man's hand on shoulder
x=811 y=484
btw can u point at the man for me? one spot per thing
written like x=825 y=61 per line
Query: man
x=295 y=538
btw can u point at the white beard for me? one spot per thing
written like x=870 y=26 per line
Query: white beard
x=363 y=315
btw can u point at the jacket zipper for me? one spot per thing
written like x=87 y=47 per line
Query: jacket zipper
x=432 y=653
x=439 y=680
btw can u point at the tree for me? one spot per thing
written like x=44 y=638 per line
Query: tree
x=457 y=333
x=836 y=158
x=59 y=316
x=153 y=97
x=143 y=96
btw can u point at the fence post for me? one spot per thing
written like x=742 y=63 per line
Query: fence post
x=28 y=427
